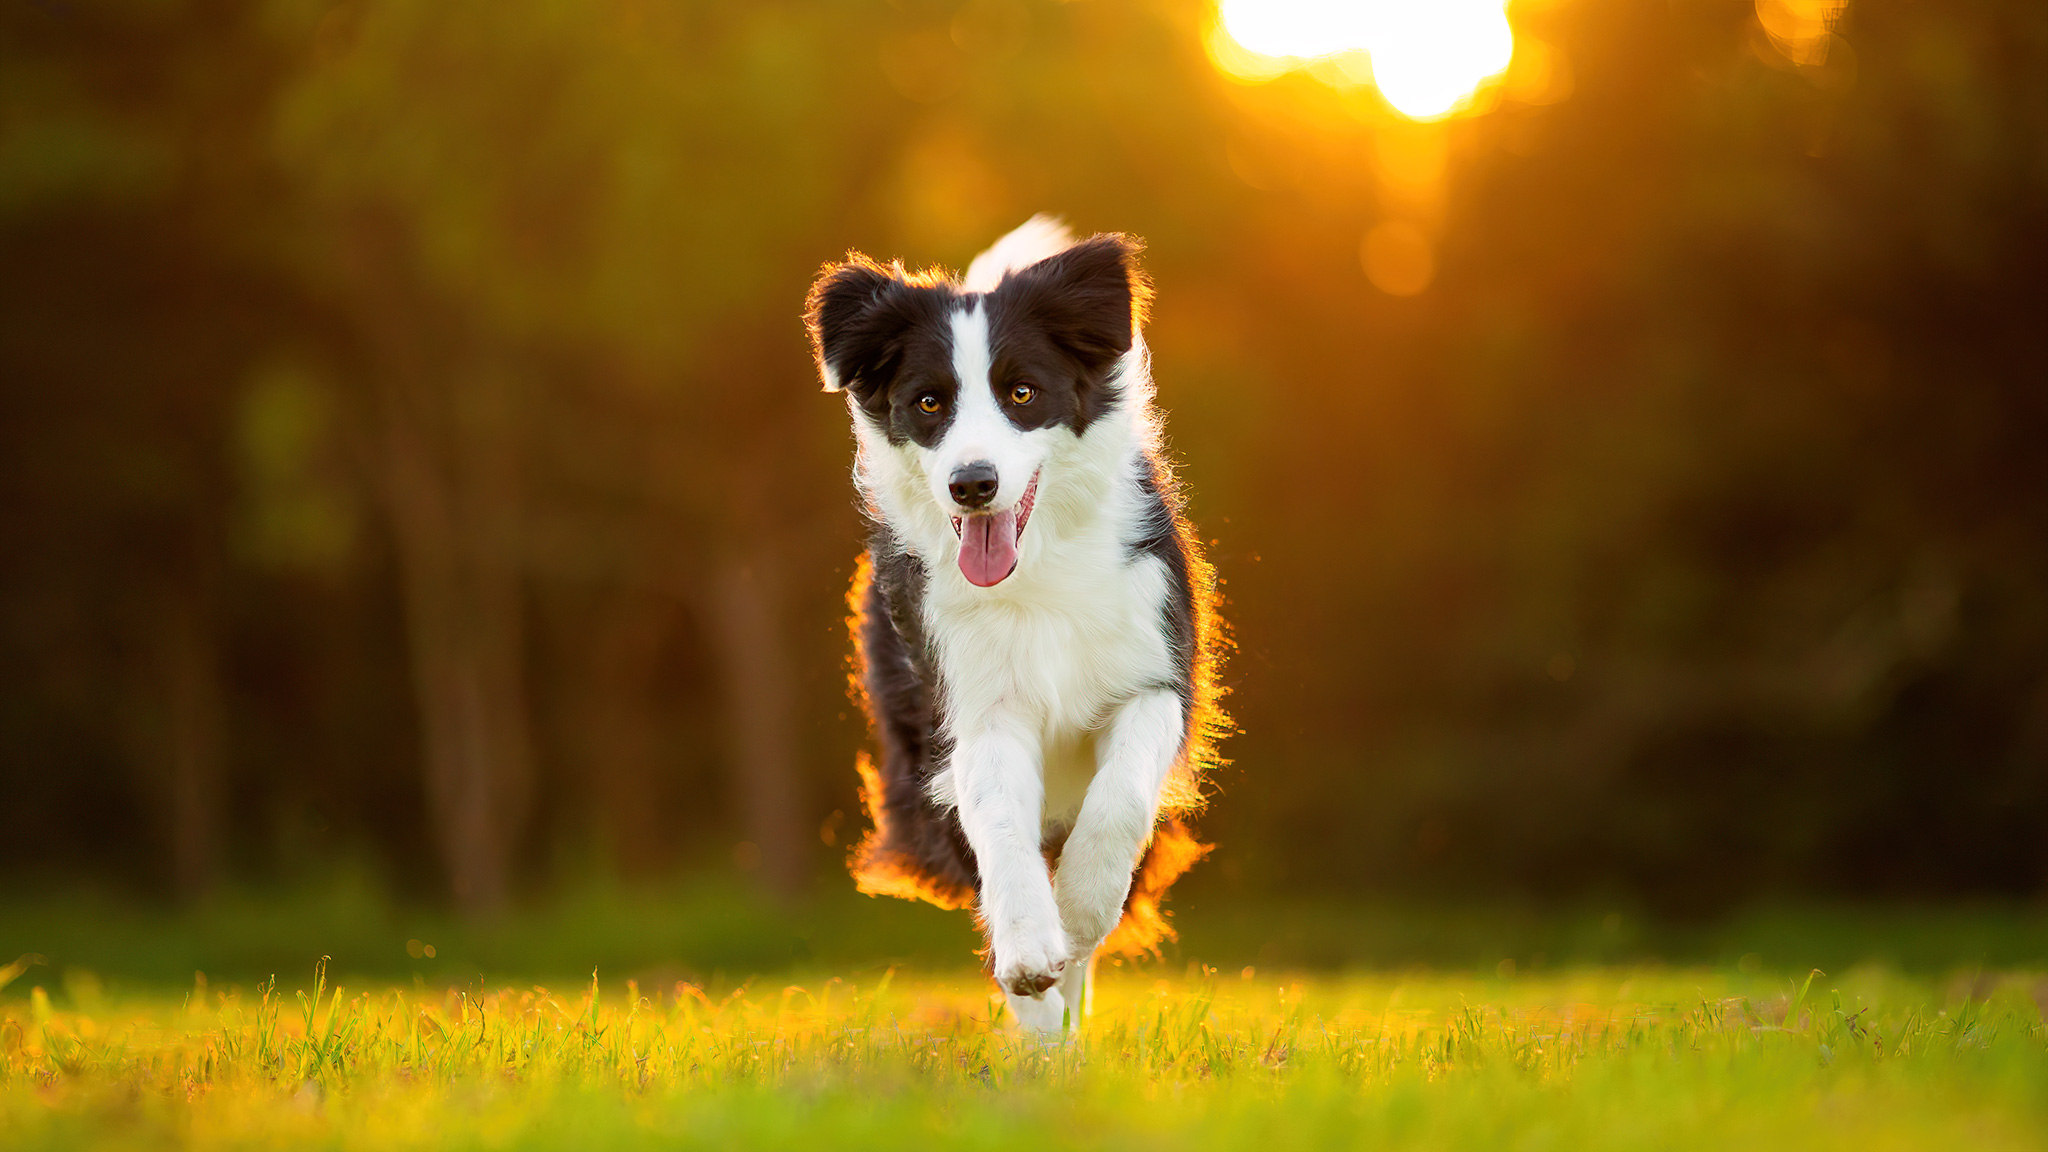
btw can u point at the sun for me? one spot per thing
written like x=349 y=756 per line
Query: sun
x=1302 y=29
x=1428 y=56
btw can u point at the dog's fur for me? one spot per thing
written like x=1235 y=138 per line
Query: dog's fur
x=1034 y=626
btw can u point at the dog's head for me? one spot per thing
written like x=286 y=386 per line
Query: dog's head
x=981 y=388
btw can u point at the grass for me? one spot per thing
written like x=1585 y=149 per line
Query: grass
x=1577 y=1058
x=842 y=1022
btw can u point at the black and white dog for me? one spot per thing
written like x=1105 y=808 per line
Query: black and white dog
x=1034 y=628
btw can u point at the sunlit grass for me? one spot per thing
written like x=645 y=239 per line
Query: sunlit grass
x=1587 y=1058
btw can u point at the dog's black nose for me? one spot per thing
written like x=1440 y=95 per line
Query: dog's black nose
x=973 y=485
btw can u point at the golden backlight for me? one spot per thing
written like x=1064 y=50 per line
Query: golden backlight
x=1428 y=56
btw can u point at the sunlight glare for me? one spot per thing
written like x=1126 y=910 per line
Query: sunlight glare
x=1302 y=29
x=1428 y=56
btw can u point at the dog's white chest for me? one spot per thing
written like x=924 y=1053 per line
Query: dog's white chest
x=1059 y=653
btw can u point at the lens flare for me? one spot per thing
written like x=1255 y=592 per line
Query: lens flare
x=1428 y=56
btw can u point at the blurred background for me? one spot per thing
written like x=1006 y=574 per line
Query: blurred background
x=1621 y=428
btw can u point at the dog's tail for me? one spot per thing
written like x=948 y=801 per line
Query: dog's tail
x=1027 y=244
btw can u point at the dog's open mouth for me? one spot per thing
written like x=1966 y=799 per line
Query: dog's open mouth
x=988 y=540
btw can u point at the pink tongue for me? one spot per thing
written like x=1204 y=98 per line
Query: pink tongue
x=988 y=547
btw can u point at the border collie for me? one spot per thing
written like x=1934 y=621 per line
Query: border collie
x=1035 y=638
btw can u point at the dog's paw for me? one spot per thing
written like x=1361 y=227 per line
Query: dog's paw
x=1032 y=965
x=1030 y=979
x=1042 y=1018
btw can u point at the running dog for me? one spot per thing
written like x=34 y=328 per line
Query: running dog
x=1034 y=623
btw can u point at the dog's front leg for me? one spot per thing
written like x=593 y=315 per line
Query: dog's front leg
x=999 y=783
x=1133 y=757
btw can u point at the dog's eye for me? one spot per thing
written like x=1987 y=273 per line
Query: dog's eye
x=1022 y=393
x=929 y=403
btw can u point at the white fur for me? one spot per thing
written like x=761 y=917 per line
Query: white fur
x=1027 y=244
x=1053 y=678
x=1137 y=751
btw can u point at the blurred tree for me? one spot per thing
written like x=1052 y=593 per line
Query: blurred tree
x=621 y=182
x=1678 y=529
x=133 y=173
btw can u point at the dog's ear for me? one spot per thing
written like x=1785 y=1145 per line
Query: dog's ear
x=1091 y=298
x=858 y=312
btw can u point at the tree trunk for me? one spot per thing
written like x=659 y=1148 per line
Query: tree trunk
x=188 y=744
x=448 y=452
x=760 y=689
x=452 y=487
x=619 y=717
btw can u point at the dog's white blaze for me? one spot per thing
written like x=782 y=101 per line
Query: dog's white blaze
x=979 y=430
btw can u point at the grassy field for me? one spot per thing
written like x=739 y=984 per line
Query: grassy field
x=1566 y=1058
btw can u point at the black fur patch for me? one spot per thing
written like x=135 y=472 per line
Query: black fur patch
x=1061 y=325
x=1159 y=539
x=901 y=685
x=887 y=339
